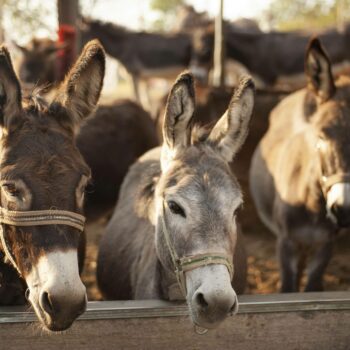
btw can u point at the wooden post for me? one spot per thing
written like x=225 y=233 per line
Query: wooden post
x=219 y=49
x=68 y=11
x=2 y=32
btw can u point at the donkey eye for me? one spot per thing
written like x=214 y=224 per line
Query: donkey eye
x=11 y=190
x=176 y=209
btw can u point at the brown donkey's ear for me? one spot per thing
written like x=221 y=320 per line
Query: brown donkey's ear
x=318 y=71
x=80 y=91
x=178 y=115
x=230 y=132
x=10 y=90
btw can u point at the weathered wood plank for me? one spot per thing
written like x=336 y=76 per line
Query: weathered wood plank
x=294 y=321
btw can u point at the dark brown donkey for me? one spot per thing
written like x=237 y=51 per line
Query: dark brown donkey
x=110 y=141
x=38 y=64
x=267 y=55
x=144 y=55
x=102 y=139
x=177 y=212
x=300 y=172
x=42 y=169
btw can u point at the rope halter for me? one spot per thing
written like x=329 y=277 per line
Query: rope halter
x=188 y=263
x=36 y=218
x=326 y=182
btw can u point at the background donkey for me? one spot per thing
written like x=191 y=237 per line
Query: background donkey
x=40 y=169
x=299 y=175
x=181 y=200
x=38 y=64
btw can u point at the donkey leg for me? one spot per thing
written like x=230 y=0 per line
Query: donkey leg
x=288 y=259
x=136 y=87
x=317 y=267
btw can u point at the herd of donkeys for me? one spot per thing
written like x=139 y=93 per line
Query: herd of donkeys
x=174 y=233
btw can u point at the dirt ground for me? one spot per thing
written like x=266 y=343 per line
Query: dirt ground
x=263 y=275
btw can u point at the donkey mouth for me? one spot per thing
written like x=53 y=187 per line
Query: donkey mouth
x=60 y=320
x=58 y=324
x=210 y=320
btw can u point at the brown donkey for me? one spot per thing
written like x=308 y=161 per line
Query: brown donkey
x=107 y=132
x=38 y=64
x=300 y=172
x=42 y=182
x=174 y=228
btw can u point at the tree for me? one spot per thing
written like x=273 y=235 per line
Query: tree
x=167 y=13
x=308 y=14
x=27 y=17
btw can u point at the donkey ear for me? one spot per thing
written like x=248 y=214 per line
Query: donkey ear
x=80 y=91
x=230 y=132
x=10 y=90
x=178 y=115
x=318 y=70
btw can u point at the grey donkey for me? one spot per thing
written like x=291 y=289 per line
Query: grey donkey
x=174 y=228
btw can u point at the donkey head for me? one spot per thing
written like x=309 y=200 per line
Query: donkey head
x=40 y=169
x=327 y=108
x=202 y=52
x=197 y=198
x=38 y=62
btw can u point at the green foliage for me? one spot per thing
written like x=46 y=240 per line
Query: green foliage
x=305 y=14
x=27 y=17
x=167 y=10
x=166 y=6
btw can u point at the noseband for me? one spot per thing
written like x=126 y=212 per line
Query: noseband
x=36 y=218
x=188 y=263
x=327 y=182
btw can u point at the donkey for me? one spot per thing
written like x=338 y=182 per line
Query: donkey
x=174 y=228
x=42 y=182
x=144 y=55
x=106 y=132
x=280 y=54
x=299 y=174
x=38 y=64
x=110 y=141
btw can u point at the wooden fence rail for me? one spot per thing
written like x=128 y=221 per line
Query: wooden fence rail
x=282 y=321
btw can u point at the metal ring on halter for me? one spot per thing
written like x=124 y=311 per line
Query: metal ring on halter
x=36 y=218
x=184 y=264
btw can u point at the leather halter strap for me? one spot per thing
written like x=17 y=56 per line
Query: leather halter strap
x=188 y=263
x=36 y=218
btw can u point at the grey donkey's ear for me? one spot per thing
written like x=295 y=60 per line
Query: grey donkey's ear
x=80 y=91
x=230 y=132
x=177 y=119
x=10 y=90
x=318 y=71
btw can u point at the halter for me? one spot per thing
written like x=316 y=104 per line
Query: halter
x=188 y=263
x=36 y=218
x=327 y=182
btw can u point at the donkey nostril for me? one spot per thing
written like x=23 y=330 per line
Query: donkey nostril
x=334 y=209
x=46 y=303
x=201 y=300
